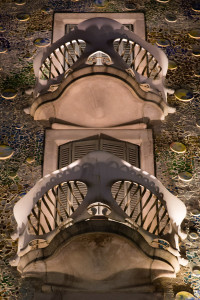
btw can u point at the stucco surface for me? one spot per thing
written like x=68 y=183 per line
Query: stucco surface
x=26 y=136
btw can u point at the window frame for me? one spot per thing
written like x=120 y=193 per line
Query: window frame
x=62 y=19
x=56 y=137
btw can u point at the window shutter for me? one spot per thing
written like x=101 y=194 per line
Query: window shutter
x=118 y=189
x=114 y=147
x=81 y=148
x=75 y=150
x=132 y=154
x=69 y=28
x=65 y=156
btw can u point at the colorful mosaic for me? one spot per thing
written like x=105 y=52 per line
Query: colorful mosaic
x=172 y=25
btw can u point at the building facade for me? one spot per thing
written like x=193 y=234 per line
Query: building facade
x=111 y=123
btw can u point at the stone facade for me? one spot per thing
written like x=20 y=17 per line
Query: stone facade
x=25 y=136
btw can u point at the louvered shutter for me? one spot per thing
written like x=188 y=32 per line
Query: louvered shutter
x=68 y=28
x=129 y=26
x=68 y=153
x=124 y=46
x=75 y=150
x=81 y=148
x=117 y=148
x=65 y=158
x=128 y=57
x=114 y=147
x=65 y=155
x=132 y=152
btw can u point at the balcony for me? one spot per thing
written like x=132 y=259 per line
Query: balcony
x=113 y=59
x=98 y=197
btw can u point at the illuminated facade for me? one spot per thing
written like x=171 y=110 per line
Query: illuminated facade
x=107 y=215
x=99 y=82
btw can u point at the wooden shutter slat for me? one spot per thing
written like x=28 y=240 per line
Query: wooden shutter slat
x=81 y=148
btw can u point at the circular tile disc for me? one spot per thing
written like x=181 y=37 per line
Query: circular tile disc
x=19 y=126
x=185 y=176
x=46 y=9
x=160 y=243
x=20 y=2
x=41 y=42
x=9 y=94
x=172 y=65
x=195 y=212
x=23 y=17
x=3 y=49
x=194 y=33
x=5 y=152
x=22 y=194
x=196 y=271
x=130 y=5
x=2 y=28
x=183 y=95
x=162 y=1
x=196 y=6
x=28 y=55
x=197 y=72
x=170 y=18
x=30 y=159
x=178 y=147
x=101 y=3
x=163 y=42
x=183 y=295
x=196 y=51
x=198 y=123
x=12 y=174
x=193 y=235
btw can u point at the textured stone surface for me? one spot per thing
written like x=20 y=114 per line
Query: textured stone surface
x=26 y=136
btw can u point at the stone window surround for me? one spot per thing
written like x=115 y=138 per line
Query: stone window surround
x=56 y=137
x=138 y=135
x=62 y=19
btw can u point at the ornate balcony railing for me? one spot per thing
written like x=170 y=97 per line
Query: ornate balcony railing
x=59 y=203
x=126 y=51
x=138 y=58
x=56 y=206
x=99 y=185
x=61 y=59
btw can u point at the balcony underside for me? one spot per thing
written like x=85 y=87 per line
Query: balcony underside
x=99 y=255
x=99 y=96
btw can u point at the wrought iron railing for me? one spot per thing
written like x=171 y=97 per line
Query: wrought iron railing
x=139 y=203
x=59 y=203
x=61 y=59
x=138 y=58
x=55 y=206
x=122 y=48
x=98 y=186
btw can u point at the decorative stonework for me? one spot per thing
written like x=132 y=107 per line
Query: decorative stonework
x=180 y=126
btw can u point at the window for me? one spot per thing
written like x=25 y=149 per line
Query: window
x=72 y=151
x=78 y=48
x=64 y=22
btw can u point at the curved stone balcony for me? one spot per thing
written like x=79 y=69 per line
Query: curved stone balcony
x=97 y=195
x=100 y=50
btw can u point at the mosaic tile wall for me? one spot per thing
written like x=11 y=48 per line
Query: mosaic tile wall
x=168 y=25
